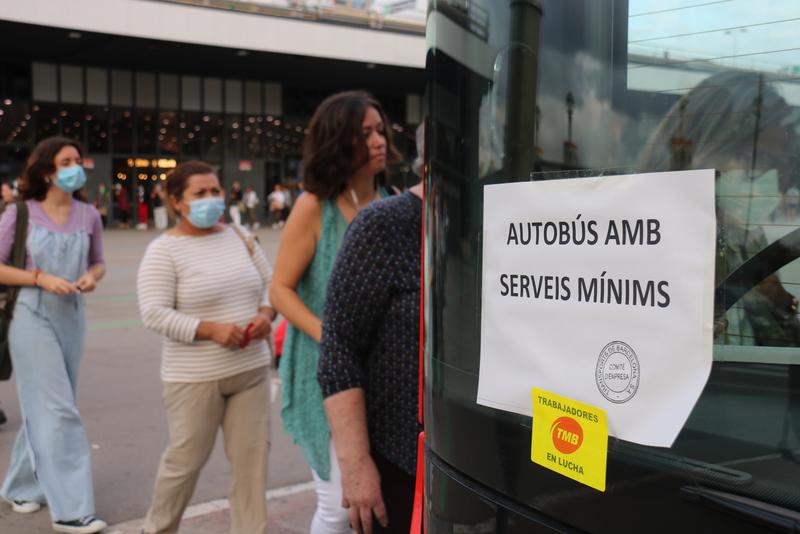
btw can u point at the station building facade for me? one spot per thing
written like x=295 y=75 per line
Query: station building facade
x=146 y=85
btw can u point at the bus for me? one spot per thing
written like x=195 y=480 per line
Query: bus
x=527 y=90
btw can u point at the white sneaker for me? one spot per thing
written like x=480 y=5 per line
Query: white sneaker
x=25 y=507
x=86 y=525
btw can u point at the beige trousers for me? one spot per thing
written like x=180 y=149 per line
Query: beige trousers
x=240 y=404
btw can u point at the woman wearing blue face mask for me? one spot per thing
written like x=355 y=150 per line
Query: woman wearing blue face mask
x=50 y=462
x=204 y=287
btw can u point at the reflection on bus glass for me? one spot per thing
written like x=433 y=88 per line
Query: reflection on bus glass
x=582 y=88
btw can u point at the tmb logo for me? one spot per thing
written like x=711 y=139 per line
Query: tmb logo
x=567 y=435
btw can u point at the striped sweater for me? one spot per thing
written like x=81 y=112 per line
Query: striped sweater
x=185 y=279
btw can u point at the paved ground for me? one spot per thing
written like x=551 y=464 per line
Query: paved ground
x=290 y=511
x=119 y=398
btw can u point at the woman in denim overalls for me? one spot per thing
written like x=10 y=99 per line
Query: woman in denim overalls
x=50 y=462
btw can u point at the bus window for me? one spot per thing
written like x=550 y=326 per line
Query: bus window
x=557 y=89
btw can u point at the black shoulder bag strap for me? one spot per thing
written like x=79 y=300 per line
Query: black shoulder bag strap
x=18 y=255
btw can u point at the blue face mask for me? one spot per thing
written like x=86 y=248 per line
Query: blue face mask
x=205 y=212
x=70 y=179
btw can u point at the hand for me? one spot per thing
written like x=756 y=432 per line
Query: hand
x=361 y=489
x=317 y=331
x=227 y=335
x=87 y=283
x=262 y=326
x=56 y=285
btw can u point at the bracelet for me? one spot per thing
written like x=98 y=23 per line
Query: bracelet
x=36 y=274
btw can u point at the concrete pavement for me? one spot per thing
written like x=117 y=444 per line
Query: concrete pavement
x=290 y=510
x=119 y=398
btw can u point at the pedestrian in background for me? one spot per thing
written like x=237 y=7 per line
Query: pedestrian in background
x=159 y=200
x=369 y=359
x=123 y=210
x=142 y=208
x=346 y=149
x=7 y=196
x=277 y=201
x=235 y=206
x=101 y=202
x=287 y=205
x=51 y=460
x=204 y=287
x=250 y=201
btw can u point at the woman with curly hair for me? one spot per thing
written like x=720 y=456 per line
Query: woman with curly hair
x=346 y=149
x=50 y=462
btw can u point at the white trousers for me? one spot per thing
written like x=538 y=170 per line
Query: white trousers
x=236 y=215
x=330 y=517
x=160 y=216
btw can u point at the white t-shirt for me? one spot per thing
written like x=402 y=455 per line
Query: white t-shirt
x=250 y=199
x=277 y=200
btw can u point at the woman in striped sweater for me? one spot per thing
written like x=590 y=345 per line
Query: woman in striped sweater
x=204 y=287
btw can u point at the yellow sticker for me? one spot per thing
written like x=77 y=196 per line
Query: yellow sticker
x=570 y=438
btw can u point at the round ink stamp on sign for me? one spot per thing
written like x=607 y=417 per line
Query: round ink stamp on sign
x=617 y=373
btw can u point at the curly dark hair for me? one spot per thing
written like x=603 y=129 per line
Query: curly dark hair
x=35 y=180
x=335 y=146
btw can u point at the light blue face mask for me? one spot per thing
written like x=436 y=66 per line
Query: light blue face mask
x=70 y=179
x=205 y=212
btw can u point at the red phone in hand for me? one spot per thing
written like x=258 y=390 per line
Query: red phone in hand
x=246 y=340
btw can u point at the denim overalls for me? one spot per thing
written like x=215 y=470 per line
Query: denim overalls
x=51 y=461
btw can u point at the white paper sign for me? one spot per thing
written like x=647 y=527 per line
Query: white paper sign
x=601 y=290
